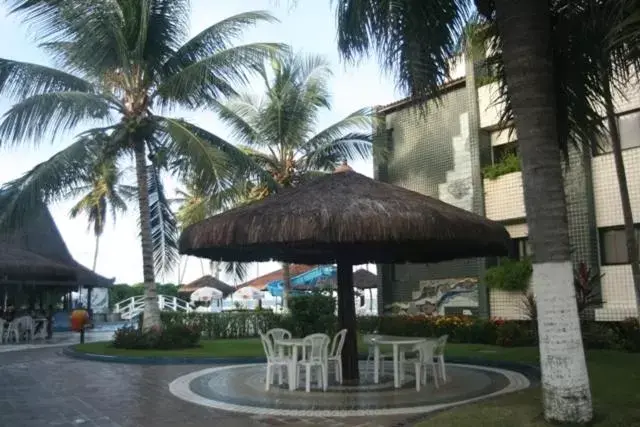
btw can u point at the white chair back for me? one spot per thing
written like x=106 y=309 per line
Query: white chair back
x=278 y=334
x=267 y=345
x=426 y=351
x=442 y=342
x=338 y=343
x=315 y=348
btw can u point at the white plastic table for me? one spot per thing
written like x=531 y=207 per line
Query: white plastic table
x=292 y=370
x=395 y=342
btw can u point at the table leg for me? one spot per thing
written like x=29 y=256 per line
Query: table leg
x=293 y=369
x=396 y=367
x=376 y=364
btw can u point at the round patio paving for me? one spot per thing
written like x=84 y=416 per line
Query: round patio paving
x=241 y=388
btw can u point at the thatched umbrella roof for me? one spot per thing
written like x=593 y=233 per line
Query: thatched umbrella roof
x=348 y=219
x=21 y=265
x=345 y=217
x=207 y=281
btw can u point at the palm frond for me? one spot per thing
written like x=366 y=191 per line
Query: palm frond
x=236 y=270
x=414 y=39
x=19 y=80
x=48 y=182
x=214 y=39
x=241 y=113
x=197 y=152
x=51 y=113
x=349 y=139
x=209 y=78
x=265 y=161
x=95 y=30
x=164 y=230
x=168 y=27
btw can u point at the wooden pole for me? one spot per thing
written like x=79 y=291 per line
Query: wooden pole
x=347 y=320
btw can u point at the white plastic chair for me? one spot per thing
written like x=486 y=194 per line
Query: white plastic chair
x=335 y=355
x=274 y=335
x=438 y=356
x=13 y=331
x=273 y=360
x=42 y=332
x=315 y=354
x=369 y=339
x=424 y=362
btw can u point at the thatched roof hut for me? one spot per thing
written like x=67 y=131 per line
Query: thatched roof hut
x=39 y=239
x=348 y=219
x=20 y=265
x=345 y=217
x=209 y=282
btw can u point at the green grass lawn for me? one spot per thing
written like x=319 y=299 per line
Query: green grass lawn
x=615 y=383
x=252 y=347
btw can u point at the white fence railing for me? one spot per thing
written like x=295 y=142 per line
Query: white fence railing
x=132 y=307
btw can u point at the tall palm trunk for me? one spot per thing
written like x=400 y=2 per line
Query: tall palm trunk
x=286 y=288
x=95 y=252
x=151 y=315
x=627 y=213
x=525 y=27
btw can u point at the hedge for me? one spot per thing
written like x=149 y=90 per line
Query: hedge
x=623 y=335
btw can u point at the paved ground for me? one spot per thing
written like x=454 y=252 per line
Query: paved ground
x=41 y=387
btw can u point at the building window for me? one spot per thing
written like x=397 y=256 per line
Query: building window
x=613 y=245
x=629 y=128
x=500 y=152
x=522 y=248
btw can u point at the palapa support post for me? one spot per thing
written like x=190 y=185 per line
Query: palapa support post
x=347 y=320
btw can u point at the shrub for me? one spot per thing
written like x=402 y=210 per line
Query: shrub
x=312 y=313
x=164 y=338
x=244 y=324
x=600 y=336
x=509 y=163
x=587 y=287
x=515 y=334
x=629 y=334
x=509 y=275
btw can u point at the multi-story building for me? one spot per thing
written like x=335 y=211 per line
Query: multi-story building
x=441 y=151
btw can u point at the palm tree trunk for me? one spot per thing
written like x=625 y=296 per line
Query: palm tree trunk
x=627 y=213
x=95 y=252
x=525 y=28
x=151 y=316
x=286 y=288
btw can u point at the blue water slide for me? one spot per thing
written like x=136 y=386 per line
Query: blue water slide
x=309 y=278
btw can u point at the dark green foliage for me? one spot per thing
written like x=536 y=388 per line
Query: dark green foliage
x=509 y=163
x=167 y=337
x=312 y=313
x=461 y=329
x=238 y=324
x=509 y=275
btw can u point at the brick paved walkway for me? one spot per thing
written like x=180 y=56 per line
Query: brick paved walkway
x=43 y=388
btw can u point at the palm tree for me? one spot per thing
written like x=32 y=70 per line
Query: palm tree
x=613 y=66
x=278 y=132
x=121 y=64
x=103 y=192
x=416 y=41
x=197 y=204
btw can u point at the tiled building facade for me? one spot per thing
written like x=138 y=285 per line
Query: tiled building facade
x=440 y=151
